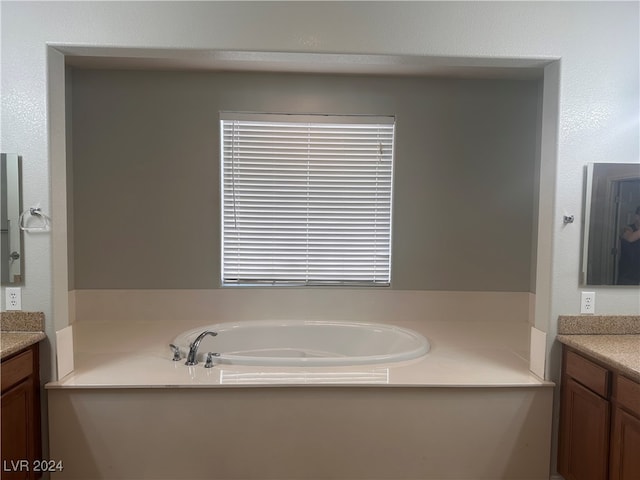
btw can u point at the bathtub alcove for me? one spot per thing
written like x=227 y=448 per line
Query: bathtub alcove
x=468 y=408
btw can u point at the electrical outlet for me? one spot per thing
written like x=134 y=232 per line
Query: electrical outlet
x=13 y=298
x=588 y=302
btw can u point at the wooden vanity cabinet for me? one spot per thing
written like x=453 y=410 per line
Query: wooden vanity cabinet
x=583 y=450
x=625 y=436
x=20 y=411
x=599 y=436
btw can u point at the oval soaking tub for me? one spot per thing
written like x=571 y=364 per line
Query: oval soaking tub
x=305 y=343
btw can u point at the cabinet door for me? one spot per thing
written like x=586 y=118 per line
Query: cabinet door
x=625 y=446
x=17 y=425
x=584 y=433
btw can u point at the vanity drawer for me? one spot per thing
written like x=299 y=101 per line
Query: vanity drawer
x=16 y=369
x=628 y=394
x=588 y=373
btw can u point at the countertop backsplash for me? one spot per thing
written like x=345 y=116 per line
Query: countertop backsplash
x=20 y=321
x=599 y=325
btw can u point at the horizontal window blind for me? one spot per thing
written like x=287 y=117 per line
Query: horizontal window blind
x=306 y=201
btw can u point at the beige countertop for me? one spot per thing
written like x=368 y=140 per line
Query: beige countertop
x=463 y=354
x=19 y=330
x=613 y=340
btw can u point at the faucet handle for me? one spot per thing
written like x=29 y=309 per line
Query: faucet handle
x=176 y=352
x=210 y=356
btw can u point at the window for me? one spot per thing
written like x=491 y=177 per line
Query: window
x=306 y=200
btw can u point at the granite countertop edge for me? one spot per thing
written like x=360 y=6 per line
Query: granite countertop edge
x=19 y=330
x=14 y=342
x=620 y=352
x=614 y=340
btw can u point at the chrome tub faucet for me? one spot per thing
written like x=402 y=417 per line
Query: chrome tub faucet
x=193 y=349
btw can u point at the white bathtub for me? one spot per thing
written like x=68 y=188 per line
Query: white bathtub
x=306 y=343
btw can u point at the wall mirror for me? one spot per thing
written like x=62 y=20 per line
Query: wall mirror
x=12 y=244
x=612 y=204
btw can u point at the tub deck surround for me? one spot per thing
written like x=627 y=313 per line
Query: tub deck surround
x=19 y=330
x=302 y=433
x=613 y=339
x=462 y=354
x=470 y=397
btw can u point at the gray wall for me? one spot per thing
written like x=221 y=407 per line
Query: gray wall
x=145 y=151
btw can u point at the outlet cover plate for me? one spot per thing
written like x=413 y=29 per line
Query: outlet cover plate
x=588 y=303
x=13 y=298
